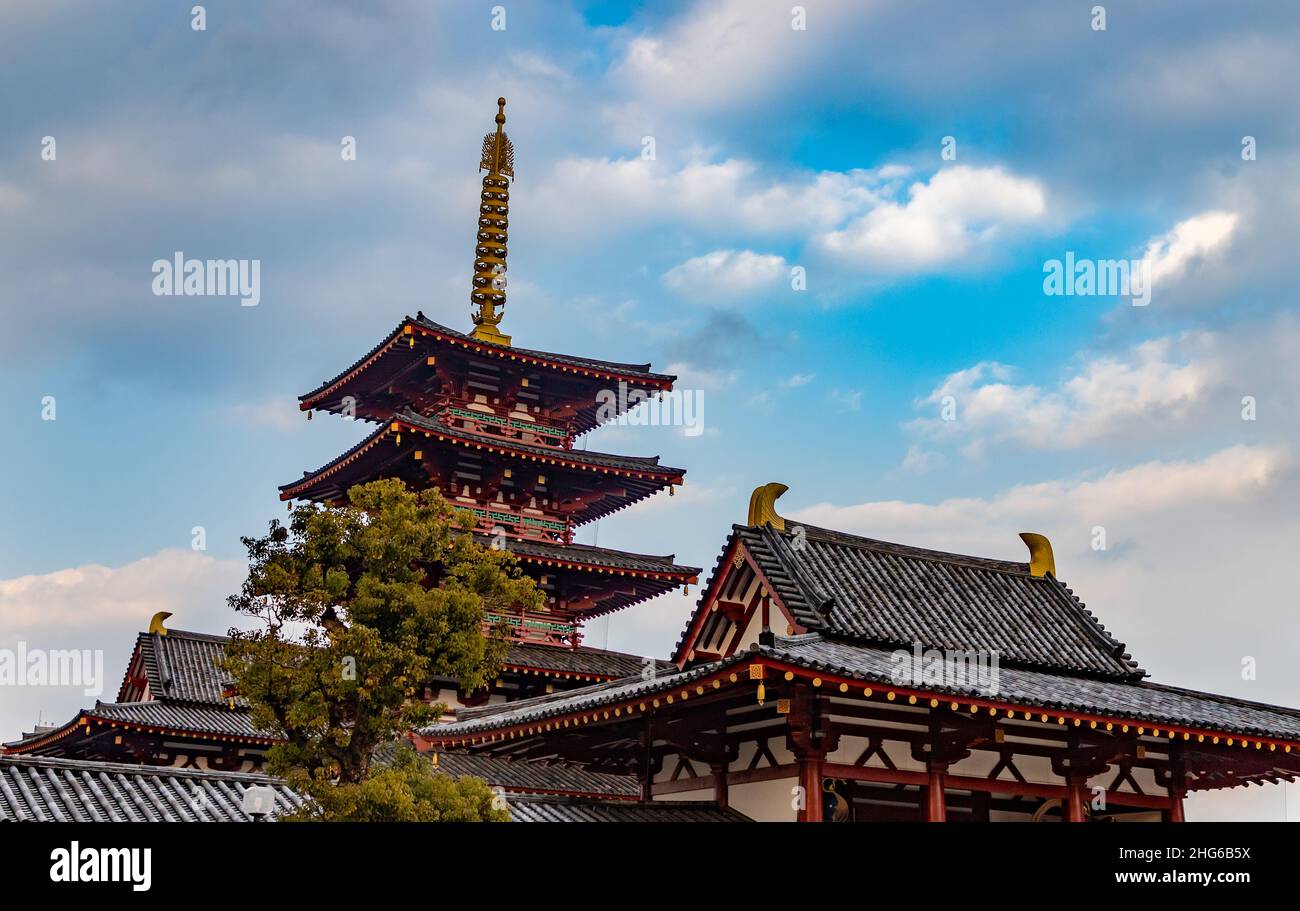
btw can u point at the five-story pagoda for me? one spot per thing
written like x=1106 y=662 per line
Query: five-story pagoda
x=493 y=427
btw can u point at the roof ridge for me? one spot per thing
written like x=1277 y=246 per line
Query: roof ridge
x=415 y=418
x=130 y=768
x=925 y=553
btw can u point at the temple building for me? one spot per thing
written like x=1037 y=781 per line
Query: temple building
x=830 y=677
x=493 y=427
x=822 y=676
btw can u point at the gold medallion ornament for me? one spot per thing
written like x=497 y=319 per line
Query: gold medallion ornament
x=489 y=294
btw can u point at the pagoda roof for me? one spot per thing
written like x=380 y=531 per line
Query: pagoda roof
x=591 y=663
x=650 y=575
x=1170 y=711
x=636 y=375
x=590 y=556
x=876 y=592
x=47 y=789
x=643 y=475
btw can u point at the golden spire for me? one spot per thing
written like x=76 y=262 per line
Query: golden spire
x=489 y=294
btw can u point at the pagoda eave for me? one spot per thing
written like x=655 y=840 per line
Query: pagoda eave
x=375 y=382
x=638 y=478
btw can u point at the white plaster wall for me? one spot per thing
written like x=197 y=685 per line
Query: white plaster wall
x=765 y=801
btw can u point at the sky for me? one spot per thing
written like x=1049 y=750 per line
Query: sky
x=836 y=225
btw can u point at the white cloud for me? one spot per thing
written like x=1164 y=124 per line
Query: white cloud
x=278 y=414
x=101 y=607
x=847 y=399
x=727 y=273
x=922 y=461
x=1231 y=476
x=1189 y=242
x=720 y=52
x=692 y=377
x=733 y=194
x=955 y=216
x=1156 y=383
x=794 y=381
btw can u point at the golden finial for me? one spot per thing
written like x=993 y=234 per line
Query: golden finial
x=1041 y=561
x=156 y=624
x=762 y=505
x=489 y=293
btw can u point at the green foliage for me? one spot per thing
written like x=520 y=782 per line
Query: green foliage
x=362 y=606
x=407 y=790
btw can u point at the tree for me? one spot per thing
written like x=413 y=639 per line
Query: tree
x=361 y=607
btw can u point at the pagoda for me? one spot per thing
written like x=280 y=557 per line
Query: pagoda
x=493 y=427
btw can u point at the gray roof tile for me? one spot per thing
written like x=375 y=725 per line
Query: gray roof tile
x=42 y=789
x=551 y=809
x=890 y=594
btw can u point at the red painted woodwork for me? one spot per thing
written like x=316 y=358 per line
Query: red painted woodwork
x=935 y=810
x=810 y=779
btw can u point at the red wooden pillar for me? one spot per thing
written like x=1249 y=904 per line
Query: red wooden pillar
x=1177 y=789
x=1074 y=803
x=810 y=778
x=1176 y=808
x=935 y=808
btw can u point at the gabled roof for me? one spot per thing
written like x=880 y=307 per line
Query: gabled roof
x=42 y=789
x=180 y=666
x=875 y=592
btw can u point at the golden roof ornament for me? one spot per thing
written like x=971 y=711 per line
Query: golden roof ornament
x=762 y=505
x=1041 y=561
x=489 y=293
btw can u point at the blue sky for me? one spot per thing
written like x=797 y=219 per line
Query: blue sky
x=775 y=148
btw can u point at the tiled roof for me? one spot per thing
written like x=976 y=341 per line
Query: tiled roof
x=538 y=777
x=182 y=718
x=588 y=555
x=890 y=594
x=582 y=660
x=553 y=809
x=504 y=714
x=177 y=717
x=639 y=476
x=647 y=576
x=630 y=371
x=182 y=666
x=41 y=789
x=642 y=464
x=1138 y=700
x=1135 y=700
